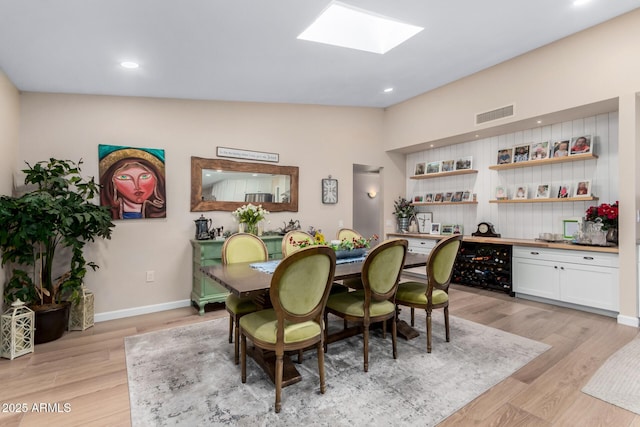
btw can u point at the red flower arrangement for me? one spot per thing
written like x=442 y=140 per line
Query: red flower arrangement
x=606 y=213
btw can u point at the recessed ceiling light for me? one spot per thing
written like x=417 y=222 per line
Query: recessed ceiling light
x=388 y=90
x=129 y=64
x=346 y=26
x=539 y=121
x=580 y=2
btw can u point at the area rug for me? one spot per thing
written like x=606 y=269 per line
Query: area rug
x=186 y=377
x=617 y=381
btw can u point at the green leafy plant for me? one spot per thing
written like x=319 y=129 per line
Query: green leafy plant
x=57 y=214
x=402 y=208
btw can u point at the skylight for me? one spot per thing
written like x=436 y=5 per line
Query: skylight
x=346 y=26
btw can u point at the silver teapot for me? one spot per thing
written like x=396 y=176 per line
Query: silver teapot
x=204 y=229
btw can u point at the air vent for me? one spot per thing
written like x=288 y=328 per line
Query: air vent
x=496 y=114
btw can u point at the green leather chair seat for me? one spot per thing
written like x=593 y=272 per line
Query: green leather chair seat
x=263 y=324
x=352 y=303
x=240 y=305
x=415 y=293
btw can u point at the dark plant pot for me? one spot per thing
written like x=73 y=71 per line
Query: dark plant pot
x=51 y=321
x=612 y=236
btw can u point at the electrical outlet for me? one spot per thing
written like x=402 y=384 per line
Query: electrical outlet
x=341 y=224
x=151 y=276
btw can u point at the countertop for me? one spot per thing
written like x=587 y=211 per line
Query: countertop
x=518 y=242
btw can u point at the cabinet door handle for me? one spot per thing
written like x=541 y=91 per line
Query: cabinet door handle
x=561 y=268
x=590 y=258
x=555 y=266
x=535 y=253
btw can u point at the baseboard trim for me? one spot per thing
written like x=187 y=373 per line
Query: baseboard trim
x=628 y=320
x=136 y=311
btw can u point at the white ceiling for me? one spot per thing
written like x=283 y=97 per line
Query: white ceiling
x=246 y=50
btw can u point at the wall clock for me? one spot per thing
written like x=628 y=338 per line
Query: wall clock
x=329 y=191
x=485 y=229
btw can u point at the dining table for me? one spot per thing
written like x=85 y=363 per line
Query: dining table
x=253 y=280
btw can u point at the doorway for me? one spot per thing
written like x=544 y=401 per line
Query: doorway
x=367 y=200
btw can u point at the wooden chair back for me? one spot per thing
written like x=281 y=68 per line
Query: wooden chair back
x=244 y=247
x=288 y=246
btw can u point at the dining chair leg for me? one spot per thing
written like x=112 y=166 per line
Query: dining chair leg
x=243 y=368
x=300 y=352
x=413 y=316
x=230 y=328
x=446 y=322
x=384 y=330
x=279 y=367
x=321 y=367
x=428 y=331
x=394 y=335
x=365 y=334
x=236 y=349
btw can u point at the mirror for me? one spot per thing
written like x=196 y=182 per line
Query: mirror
x=225 y=185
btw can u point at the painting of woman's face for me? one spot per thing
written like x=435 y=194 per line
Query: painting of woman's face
x=134 y=182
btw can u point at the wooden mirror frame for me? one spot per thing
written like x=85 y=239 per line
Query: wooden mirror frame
x=199 y=205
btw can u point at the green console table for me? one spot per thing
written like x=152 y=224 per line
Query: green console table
x=209 y=252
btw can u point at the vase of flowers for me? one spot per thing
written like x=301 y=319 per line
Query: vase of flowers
x=607 y=215
x=249 y=216
x=403 y=210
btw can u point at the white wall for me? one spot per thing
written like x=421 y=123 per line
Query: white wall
x=522 y=221
x=9 y=124
x=321 y=141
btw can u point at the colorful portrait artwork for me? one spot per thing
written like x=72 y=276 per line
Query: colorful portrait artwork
x=133 y=181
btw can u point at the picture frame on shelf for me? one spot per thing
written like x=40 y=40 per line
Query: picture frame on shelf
x=437 y=198
x=457 y=196
x=560 y=149
x=501 y=192
x=447 y=196
x=435 y=228
x=520 y=192
x=428 y=198
x=419 y=169
x=464 y=163
x=467 y=196
x=417 y=199
x=583 y=188
x=539 y=150
x=433 y=167
x=570 y=227
x=505 y=156
x=564 y=191
x=446 y=229
x=521 y=153
x=457 y=229
x=424 y=220
x=448 y=166
x=543 y=191
x=580 y=145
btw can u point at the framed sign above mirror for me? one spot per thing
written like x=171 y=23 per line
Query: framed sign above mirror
x=225 y=185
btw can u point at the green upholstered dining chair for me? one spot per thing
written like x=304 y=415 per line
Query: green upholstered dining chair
x=434 y=293
x=376 y=301
x=299 y=289
x=349 y=234
x=241 y=247
x=288 y=247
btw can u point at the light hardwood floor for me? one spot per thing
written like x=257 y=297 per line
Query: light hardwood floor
x=87 y=369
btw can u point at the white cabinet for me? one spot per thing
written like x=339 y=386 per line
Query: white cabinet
x=419 y=246
x=588 y=279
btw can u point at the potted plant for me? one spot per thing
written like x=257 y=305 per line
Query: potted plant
x=607 y=215
x=57 y=213
x=403 y=210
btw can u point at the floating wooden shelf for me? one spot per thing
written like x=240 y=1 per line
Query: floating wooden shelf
x=543 y=162
x=443 y=174
x=442 y=203
x=568 y=199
